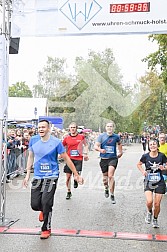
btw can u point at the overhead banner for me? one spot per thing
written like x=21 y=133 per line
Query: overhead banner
x=87 y=17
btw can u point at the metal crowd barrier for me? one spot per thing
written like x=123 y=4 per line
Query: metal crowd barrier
x=16 y=162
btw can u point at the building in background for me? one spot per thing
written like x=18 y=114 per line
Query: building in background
x=26 y=109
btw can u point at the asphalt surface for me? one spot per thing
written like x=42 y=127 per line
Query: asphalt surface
x=88 y=211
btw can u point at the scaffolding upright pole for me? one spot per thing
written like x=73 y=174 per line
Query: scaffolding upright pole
x=4 y=62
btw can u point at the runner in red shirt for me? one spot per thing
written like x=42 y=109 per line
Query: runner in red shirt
x=77 y=150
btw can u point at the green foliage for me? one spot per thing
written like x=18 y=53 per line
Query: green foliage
x=75 y=100
x=20 y=89
x=73 y=93
x=62 y=89
x=153 y=109
x=38 y=91
x=104 y=64
x=51 y=78
x=159 y=58
x=61 y=110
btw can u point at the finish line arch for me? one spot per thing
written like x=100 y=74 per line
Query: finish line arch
x=69 y=18
x=87 y=17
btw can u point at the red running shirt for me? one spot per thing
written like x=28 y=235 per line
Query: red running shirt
x=74 y=146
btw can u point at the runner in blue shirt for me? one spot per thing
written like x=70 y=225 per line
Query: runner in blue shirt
x=43 y=155
x=106 y=144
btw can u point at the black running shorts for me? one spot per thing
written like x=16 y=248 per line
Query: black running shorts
x=78 y=166
x=105 y=163
x=159 y=187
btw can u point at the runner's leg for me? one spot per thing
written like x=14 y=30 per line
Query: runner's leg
x=157 y=202
x=111 y=171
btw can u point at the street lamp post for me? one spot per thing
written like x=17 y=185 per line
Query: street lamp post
x=35 y=112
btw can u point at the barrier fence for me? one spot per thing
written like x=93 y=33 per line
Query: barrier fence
x=16 y=162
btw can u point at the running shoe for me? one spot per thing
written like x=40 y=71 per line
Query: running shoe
x=7 y=181
x=155 y=223
x=75 y=184
x=69 y=194
x=148 y=218
x=113 y=199
x=106 y=193
x=41 y=216
x=45 y=234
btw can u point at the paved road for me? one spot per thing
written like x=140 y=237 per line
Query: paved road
x=88 y=210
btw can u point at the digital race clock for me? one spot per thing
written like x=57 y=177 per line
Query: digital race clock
x=130 y=7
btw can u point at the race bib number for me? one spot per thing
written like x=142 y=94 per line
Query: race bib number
x=74 y=153
x=154 y=177
x=45 y=168
x=109 y=149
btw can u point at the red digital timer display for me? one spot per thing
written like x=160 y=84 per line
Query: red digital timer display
x=130 y=7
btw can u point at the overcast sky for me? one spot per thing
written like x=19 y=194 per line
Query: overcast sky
x=128 y=51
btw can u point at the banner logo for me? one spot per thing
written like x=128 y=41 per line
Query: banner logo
x=80 y=13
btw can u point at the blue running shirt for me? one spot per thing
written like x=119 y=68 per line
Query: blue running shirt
x=109 y=143
x=45 y=156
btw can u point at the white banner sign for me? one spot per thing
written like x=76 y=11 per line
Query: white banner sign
x=84 y=17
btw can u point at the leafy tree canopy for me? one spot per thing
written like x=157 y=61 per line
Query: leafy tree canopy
x=159 y=58
x=20 y=89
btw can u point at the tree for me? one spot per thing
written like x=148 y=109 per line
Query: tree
x=89 y=103
x=153 y=109
x=52 y=78
x=159 y=58
x=87 y=99
x=20 y=89
x=38 y=91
